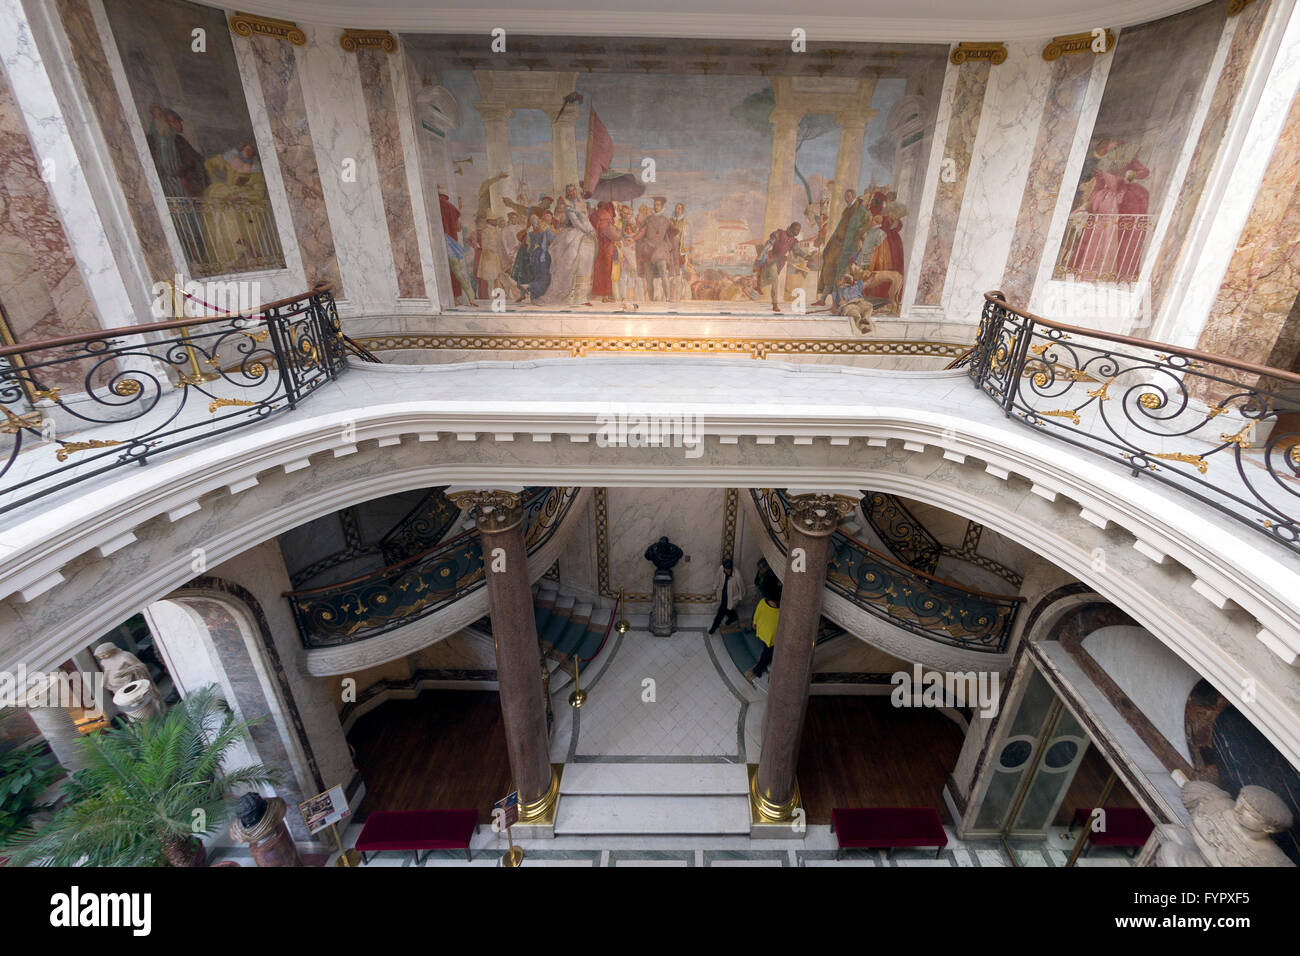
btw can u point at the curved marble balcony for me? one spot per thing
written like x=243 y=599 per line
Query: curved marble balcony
x=1224 y=598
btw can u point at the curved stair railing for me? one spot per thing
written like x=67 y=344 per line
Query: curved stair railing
x=420 y=528
x=394 y=596
x=1223 y=431
x=905 y=537
x=934 y=608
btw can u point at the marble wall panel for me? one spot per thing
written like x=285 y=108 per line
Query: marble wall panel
x=41 y=287
x=1258 y=293
x=386 y=137
x=278 y=72
x=335 y=108
x=968 y=101
x=97 y=82
x=1001 y=163
x=1247 y=28
x=1060 y=118
x=692 y=518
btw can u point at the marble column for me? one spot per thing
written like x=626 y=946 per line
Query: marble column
x=496 y=123
x=55 y=724
x=564 y=150
x=812 y=519
x=780 y=179
x=499 y=515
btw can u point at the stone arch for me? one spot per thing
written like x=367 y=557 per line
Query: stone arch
x=213 y=632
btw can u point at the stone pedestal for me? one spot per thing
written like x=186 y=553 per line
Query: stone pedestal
x=269 y=840
x=55 y=724
x=663 y=613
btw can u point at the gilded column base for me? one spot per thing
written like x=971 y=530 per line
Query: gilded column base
x=768 y=819
x=541 y=812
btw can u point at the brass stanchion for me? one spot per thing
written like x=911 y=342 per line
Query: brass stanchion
x=348 y=858
x=196 y=375
x=515 y=855
x=623 y=625
x=579 y=696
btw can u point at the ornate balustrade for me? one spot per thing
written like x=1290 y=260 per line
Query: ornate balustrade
x=937 y=609
x=78 y=406
x=905 y=537
x=422 y=526
x=225 y=235
x=1224 y=431
x=397 y=595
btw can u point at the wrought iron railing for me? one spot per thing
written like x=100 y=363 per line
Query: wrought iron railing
x=223 y=236
x=394 y=596
x=420 y=528
x=79 y=406
x=1224 y=431
x=905 y=537
x=939 y=610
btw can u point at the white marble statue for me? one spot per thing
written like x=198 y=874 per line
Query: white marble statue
x=1224 y=832
x=120 y=667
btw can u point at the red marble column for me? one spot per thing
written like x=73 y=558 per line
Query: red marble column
x=812 y=519
x=500 y=519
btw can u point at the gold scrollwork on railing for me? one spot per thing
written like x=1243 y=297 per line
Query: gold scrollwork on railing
x=995 y=53
x=226 y=403
x=15 y=423
x=1069 y=413
x=75 y=446
x=246 y=24
x=353 y=40
x=1073 y=43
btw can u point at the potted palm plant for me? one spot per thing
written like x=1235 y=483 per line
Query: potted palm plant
x=149 y=791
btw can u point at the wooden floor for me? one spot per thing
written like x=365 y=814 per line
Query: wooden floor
x=447 y=749
x=443 y=750
x=864 y=752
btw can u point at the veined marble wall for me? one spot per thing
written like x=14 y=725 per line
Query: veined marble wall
x=692 y=518
x=41 y=288
x=1254 y=317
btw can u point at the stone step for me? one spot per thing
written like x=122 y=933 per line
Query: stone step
x=659 y=816
x=655 y=779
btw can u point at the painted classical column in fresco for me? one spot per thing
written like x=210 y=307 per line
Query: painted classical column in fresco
x=564 y=150
x=496 y=121
x=853 y=126
x=499 y=515
x=812 y=519
x=780 y=180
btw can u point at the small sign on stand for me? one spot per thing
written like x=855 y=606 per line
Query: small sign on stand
x=505 y=813
x=326 y=810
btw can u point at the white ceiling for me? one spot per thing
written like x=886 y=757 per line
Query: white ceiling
x=914 y=21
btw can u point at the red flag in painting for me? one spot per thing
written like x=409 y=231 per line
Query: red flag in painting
x=600 y=153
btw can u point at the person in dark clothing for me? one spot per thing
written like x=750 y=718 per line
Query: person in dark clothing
x=731 y=592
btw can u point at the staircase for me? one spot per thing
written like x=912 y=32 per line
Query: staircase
x=653 y=799
x=566 y=627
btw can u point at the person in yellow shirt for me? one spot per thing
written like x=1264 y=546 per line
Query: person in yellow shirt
x=766 y=616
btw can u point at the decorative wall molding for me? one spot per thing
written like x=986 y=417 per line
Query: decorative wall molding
x=246 y=25
x=1073 y=43
x=966 y=52
x=602 y=549
x=578 y=346
x=353 y=40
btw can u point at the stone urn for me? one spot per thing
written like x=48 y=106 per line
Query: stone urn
x=138 y=700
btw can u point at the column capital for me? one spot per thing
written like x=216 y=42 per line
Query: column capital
x=819 y=513
x=494 y=509
x=494 y=112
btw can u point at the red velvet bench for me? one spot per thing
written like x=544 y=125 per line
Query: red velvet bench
x=1125 y=826
x=888 y=828
x=416 y=830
